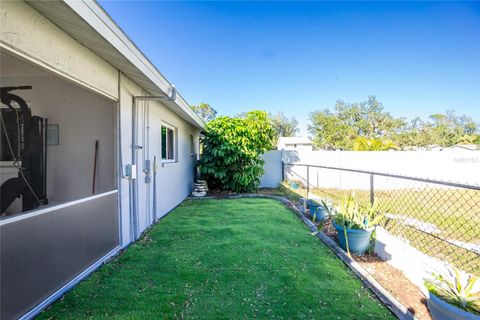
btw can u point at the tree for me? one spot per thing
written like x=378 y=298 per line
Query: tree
x=441 y=129
x=232 y=151
x=340 y=128
x=365 y=126
x=413 y=134
x=330 y=132
x=370 y=144
x=283 y=126
x=469 y=139
x=448 y=129
x=205 y=111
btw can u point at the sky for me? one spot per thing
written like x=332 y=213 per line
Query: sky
x=417 y=58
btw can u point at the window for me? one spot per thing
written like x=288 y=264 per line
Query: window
x=192 y=144
x=168 y=143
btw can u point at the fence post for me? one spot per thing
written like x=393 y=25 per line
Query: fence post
x=372 y=191
x=308 y=180
x=283 y=171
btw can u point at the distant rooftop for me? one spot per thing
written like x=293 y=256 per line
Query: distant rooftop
x=435 y=147
x=294 y=140
x=471 y=147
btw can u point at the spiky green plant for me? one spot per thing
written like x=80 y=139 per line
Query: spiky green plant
x=352 y=215
x=453 y=290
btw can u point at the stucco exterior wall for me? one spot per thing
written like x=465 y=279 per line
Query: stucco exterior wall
x=127 y=90
x=173 y=180
x=37 y=40
x=28 y=33
x=34 y=40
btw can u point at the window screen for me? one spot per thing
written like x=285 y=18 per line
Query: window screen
x=168 y=143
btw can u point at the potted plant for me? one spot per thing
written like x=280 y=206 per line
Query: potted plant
x=317 y=211
x=354 y=223
x=303 y=205
x=450 y=296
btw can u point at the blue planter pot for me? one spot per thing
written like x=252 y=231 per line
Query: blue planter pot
x=294 y=185
x=358 y=239
x=441 y=310
x=312 y=206
x=318 y=212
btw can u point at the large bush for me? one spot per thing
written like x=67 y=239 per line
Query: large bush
x=232 y=149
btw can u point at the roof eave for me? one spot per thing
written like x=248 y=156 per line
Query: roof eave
x=118 y=49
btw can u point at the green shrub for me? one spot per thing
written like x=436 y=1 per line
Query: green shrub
x=231 y=158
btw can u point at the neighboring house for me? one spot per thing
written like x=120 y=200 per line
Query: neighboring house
x=464 y=147
x=431 y=147
x=294 y=143
x=115 y=151
x=435 y=147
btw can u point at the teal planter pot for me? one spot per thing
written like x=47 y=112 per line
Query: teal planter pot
x=318 y=213
x=294 y=185
x=358 y=239
x=312 y=206
x=441 y=310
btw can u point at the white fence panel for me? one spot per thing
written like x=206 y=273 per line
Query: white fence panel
x=454 y=166
x=273 y=169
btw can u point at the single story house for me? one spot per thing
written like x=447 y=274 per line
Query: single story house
x=295 y=143
x=97 y=145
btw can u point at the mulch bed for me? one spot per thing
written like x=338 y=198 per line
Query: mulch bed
x=220 y=194
x=392 y=279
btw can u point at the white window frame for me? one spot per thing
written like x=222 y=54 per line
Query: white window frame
x=175 y=155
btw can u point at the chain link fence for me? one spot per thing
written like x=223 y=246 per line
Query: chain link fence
x=441 y=219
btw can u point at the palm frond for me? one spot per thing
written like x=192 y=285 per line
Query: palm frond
x=452 y=289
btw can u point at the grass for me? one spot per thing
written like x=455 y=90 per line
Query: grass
x=223 y=259
x=283 y=191
x=455 y=212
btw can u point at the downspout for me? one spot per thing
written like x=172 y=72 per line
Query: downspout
x=154 y=201
x=149 y=167
x=134 y=162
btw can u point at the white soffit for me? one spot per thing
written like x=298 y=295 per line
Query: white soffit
x=89 y=24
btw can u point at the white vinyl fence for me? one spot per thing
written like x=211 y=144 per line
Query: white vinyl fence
x=420 y=192
x=452 y=166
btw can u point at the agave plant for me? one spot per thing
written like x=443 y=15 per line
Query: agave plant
x=352 y=215
x=455 y=291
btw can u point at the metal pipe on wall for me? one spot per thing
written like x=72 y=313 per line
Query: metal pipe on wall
x=149 y=166
x=133 y=210
x=120 y=168
x=145 y=152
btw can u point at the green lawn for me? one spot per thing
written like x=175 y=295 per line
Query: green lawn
x=223 y=259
